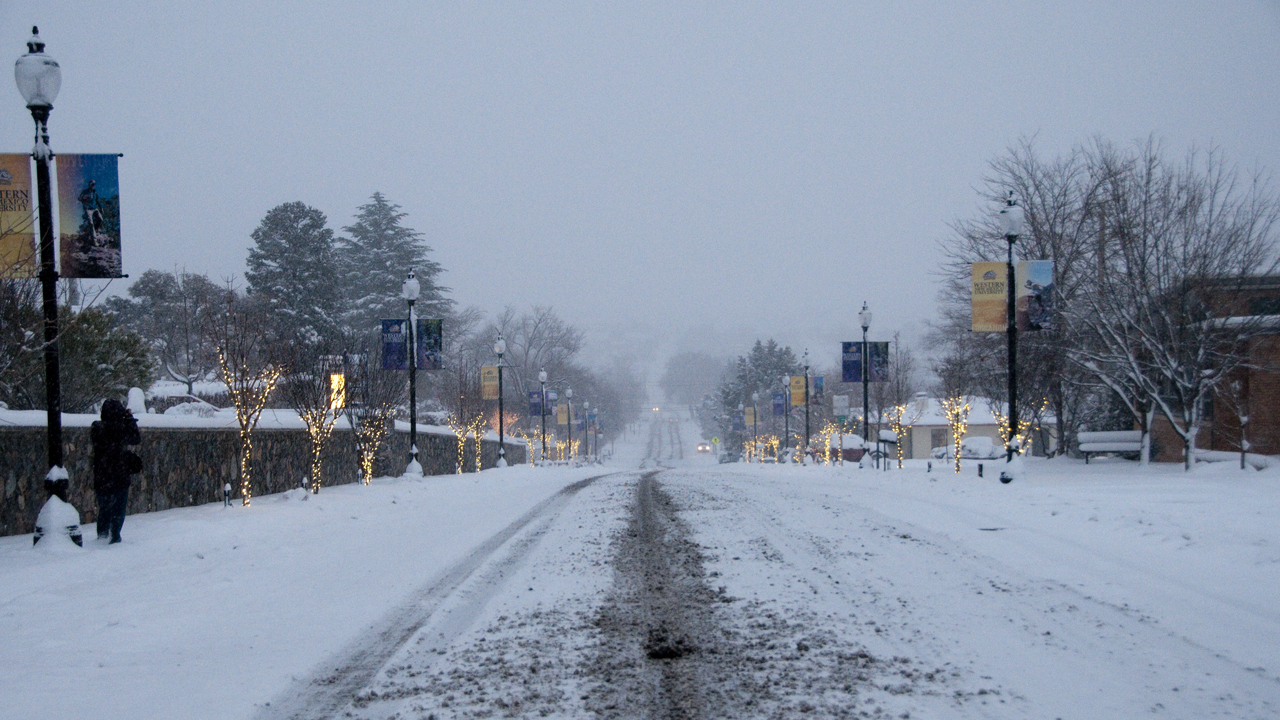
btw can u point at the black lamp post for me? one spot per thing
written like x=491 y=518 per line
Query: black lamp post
x=586 y=431
x=1011 y=217
x=568 y=396
x=806 y=406
x=786 y=412
x=500 y=348
x=864 y=317
x=755 y=423
x=409 y=291
x=39 y=78
x=542 y=378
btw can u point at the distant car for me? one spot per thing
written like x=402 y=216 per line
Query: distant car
x=704 y=447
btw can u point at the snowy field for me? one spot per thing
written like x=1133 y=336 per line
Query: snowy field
x=666 y=585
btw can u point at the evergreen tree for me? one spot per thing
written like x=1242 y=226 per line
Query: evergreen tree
x=375 y=258
x=292 y=268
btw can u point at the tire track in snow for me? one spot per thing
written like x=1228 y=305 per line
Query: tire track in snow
x=331 y=688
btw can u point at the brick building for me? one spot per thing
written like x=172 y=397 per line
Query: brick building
x=1254 y=389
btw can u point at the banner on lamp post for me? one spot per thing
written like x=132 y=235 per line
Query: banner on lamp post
x=430 y=340
x=779 y=404
x=489 y=382
x=878 y=361
x=750 y=416
x=797 y=391
x=395 y=344
x=817 y=387
x=990 y=297
x=18 y=255
x=851 y=362
x=562 y=413
x=89 y=216
x=535 y=403
x=1034 y=301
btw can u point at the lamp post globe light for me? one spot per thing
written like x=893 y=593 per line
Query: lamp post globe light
x=410 y=291
x=39 y=78
x=500 y=349
x=864 y=317
x=542 y=378
x=1011 y=220
x=568 y=396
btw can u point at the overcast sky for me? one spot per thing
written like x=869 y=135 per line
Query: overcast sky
x=668 y=176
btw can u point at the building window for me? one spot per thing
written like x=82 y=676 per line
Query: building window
x=938 y=438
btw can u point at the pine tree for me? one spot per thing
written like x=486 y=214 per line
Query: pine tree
x=292 y=268
x=375 y=258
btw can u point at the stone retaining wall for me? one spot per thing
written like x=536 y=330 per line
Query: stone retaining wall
x=189 y=466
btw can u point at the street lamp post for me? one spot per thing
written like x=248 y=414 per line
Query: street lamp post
x=500 y=348
x=1011 y=217
x=742 y=437
x=786 y=412
x=568 y=395
x=864 y=317
x=39 y=78
x=806 y=405
x=586 y=430
x=542 y=378
x=409 y=291
x=755 y=423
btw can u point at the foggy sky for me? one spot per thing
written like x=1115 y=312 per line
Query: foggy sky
x=668 y=176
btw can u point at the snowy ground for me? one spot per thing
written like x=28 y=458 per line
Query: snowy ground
x=665 y=585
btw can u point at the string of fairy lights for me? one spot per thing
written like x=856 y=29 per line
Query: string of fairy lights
x=956 y=409
x=248 y=390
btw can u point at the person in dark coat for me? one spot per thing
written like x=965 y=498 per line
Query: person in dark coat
x=113 y=464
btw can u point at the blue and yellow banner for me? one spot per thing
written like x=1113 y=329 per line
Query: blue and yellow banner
x=89 y=216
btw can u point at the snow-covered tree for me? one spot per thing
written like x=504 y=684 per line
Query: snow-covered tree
x=1180 y=244
x=374 y=257
x=239 y=335
x=292 y=269
x=167 y=309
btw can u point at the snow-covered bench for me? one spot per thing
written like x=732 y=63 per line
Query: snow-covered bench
x=1109 y=441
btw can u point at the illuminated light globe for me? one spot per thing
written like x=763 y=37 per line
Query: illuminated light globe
x=39 y=77
x=1011 y=218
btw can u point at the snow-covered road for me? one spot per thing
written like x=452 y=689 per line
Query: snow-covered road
x=665 y=585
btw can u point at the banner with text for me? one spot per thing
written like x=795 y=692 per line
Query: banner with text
x=990 y=297
x=851 y=362
x=18 y=256
x=797 y=391
x=535 y=403
x=779 y=404
x=89 y=216
x=489 y=382
x=394 y=343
